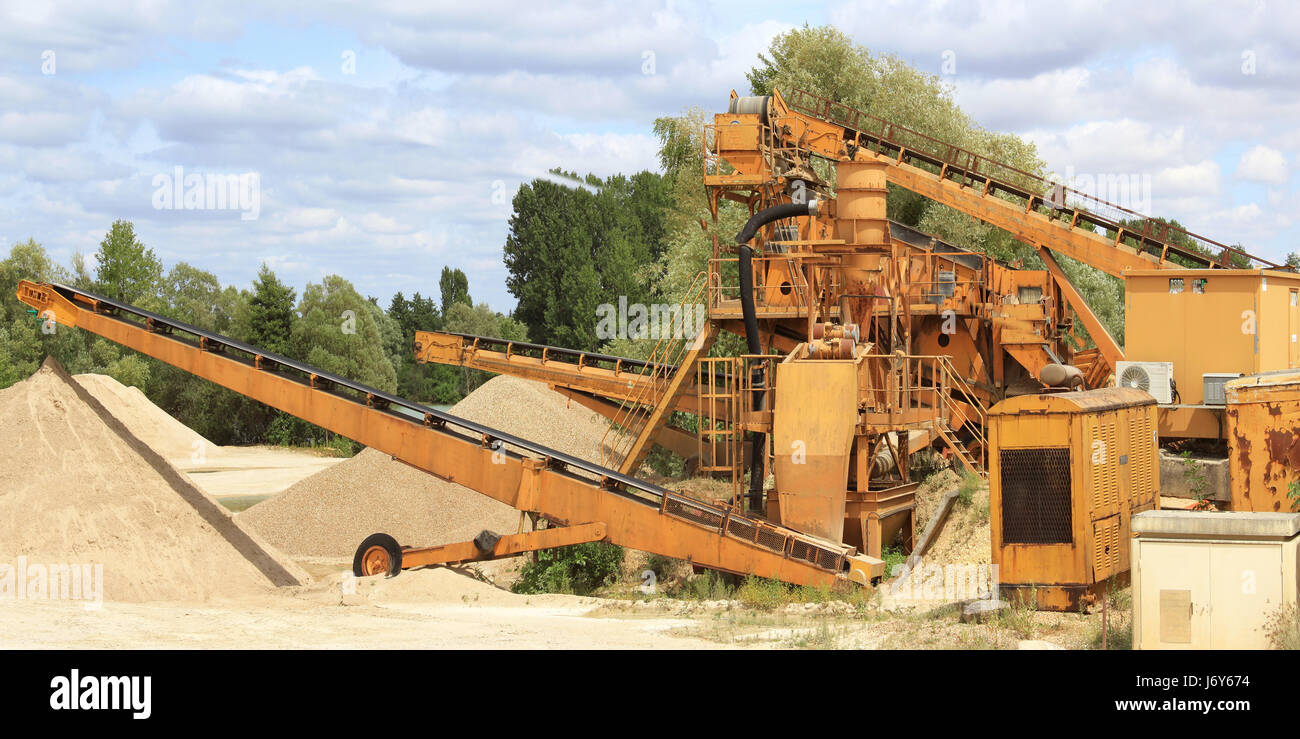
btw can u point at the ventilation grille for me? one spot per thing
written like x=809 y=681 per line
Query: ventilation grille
x=1035 y=495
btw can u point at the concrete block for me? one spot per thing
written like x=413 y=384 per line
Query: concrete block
x=1174 y=482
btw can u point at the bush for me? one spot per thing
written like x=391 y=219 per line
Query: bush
x=579 y=569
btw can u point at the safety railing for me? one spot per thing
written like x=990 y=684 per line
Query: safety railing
x=665 y=360
x=1037 y=193
x=724 y=282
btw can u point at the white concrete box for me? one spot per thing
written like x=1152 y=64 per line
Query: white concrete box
x=1207 y=580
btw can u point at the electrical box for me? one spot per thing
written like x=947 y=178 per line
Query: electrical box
x=1066 y=472
x=1210 y=580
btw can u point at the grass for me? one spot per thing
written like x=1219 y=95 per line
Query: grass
x=1119 y=619
x=970 y=483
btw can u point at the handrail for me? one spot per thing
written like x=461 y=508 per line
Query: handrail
x=867 y=130
x=666 y=359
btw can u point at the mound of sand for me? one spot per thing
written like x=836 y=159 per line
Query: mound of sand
x=76 y=487
x=331 y=512
x=965 y=537
x=164 y=434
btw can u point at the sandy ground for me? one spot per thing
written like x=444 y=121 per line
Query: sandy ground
x=425 y=609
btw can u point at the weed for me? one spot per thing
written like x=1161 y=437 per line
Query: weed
x=1018 y=617
x=970 y=482
x=1197 y=483
x=1283 y=628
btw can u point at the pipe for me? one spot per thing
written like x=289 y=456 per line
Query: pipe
x=750 y=314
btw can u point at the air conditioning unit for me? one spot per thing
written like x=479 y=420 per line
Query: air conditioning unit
x=1212 y=387
x=1156 y=378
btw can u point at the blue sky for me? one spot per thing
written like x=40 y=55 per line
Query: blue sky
x=387 y=169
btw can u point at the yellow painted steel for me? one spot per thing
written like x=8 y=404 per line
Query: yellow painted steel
x=1067 y=471
x=813 y=425
x=1212 y=321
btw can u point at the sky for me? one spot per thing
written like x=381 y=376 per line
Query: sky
x=384 y=140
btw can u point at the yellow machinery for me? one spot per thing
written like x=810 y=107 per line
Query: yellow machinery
x=1067 y=472
x=586 y=501
x=868 y=341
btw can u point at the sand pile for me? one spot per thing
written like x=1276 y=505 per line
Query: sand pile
x=151 y=424
x=76 y=487
x=965 y=537
x=330 y=513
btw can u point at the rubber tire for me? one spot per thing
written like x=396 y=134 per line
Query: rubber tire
x=389 y=544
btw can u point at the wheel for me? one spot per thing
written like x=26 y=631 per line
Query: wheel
x=379 y=554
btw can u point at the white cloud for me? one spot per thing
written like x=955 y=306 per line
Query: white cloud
x=1263 y=164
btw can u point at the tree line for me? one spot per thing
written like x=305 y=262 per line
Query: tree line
x=330 y=326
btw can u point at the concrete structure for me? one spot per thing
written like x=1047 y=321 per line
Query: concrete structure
x=1211 y=580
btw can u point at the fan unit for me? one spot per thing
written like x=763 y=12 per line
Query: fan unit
x=1155 y=378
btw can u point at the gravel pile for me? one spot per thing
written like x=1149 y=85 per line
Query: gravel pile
x=77 y=488
x=330 y=513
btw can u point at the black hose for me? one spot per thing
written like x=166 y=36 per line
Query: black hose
x=750 y=314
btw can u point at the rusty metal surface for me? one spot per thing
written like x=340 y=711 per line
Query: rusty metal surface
x=1263 y=430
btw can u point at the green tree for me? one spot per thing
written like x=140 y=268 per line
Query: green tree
x=571 y=249
x=127 y=270
x=454 y=286
x=268 y=321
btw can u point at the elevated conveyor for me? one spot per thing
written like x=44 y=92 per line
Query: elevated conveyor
x=1035 y=210
x=595 y=502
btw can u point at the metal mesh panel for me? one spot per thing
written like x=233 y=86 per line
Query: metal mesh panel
x=703 y=515
x=802 y=550
x=742 y=529
x=1035 y=495
x=770 y=539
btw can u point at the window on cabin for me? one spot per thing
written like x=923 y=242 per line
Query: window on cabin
x=1198 y=285
x=1175 y=285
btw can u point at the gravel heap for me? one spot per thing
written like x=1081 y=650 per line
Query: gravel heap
x=77 y=488
x=330 y=513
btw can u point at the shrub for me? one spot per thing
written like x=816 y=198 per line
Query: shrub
x=579 y=569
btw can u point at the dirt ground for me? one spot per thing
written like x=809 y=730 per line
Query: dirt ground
x=479 y=616
x=441 y=608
